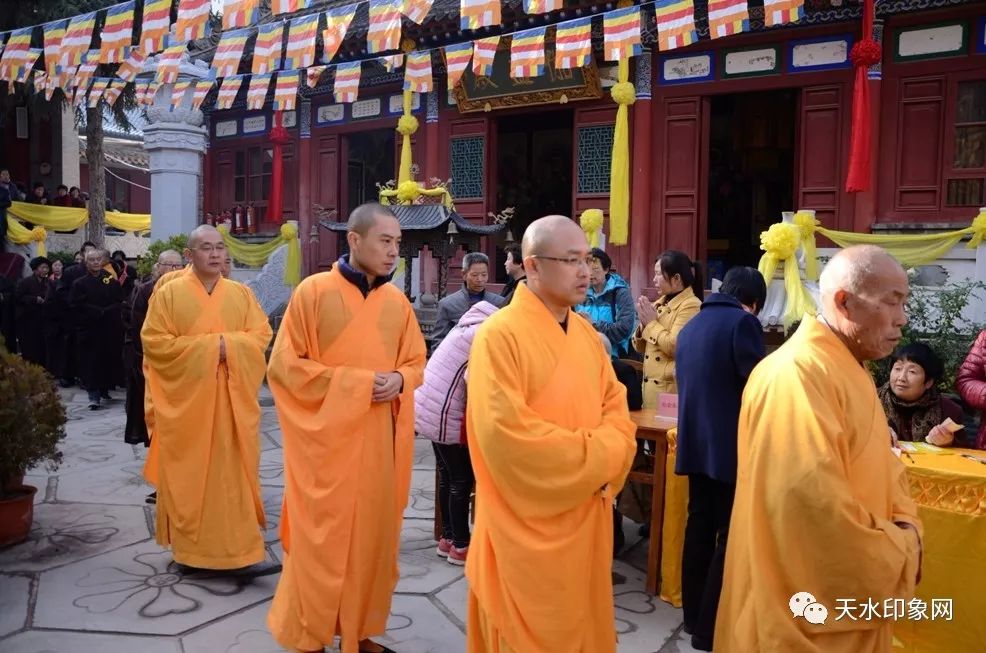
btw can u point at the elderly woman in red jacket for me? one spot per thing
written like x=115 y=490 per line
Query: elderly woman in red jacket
x=971 y=384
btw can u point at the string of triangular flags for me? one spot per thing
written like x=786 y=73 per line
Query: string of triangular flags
x=70 y=64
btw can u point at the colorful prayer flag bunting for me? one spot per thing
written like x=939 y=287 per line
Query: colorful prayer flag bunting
x=337 y=23
x=193 y=20
x=24 y=71
x=15 y=53
x=392 y=62
x=728 y=17
x=228 y=90
x=541 y=6
x=143 y=93
x=168 y=62
x=78 y=36
x=278 y=7
x=86 y=69
x=113 y=91
x=457 y=58
x=573 y=44
x=53 y=34
x=301 y=42
x=155 y=25
x=621 y=33
x=384 y=31
x=779 y=12
x=346 y=86
x=117 y=33
x=286 y=90
x=416 y=10
x=474 y=14
x=200 y=91
x=229 y=52
x=133 y=65
x=483 y=54
x=178 y=93
x=267 y=50
x=96 y=91
x=257 y=91
x=313 y=74
x=675 y=23
x=417 y=76
x=240 y=13
x=527 y=53
x=79 y=95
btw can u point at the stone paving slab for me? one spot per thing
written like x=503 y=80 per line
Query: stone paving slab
x=91 y=579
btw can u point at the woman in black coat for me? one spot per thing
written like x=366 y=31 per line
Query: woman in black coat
x=31 y=295
x=97 y=299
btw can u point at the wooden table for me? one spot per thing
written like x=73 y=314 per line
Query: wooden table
x=652 y=428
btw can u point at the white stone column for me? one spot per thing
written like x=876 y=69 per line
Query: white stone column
x=69 y=137
x=176 y=141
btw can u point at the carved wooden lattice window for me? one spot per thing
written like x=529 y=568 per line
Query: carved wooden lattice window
x=595 y=148
x=967 y=175
x=466 y=164
x=251 y=177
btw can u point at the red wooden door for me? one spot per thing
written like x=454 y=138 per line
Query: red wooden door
x=821 y=147
x=221 y=197
x=682 y=142
x=592 y=148
x=325 y=193
x=471 y=166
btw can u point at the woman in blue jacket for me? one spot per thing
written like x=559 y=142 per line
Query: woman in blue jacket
x=609 y=304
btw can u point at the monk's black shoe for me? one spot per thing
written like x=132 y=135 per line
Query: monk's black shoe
x=264 y=568
x=151 y=498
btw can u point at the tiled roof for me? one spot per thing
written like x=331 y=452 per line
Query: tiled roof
x=425 y=217
x=113 y=129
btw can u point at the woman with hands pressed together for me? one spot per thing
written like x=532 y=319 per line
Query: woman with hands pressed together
x=679 y=280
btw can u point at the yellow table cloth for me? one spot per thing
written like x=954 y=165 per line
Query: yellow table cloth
x=673 y=532
x=950 y=491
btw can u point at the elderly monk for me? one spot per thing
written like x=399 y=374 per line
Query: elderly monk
x=551 y=443
x=343 y=370
x=204 y=340
x=822 y=509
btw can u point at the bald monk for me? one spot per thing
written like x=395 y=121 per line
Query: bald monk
x=343 y=370
x=551 y=443
x=204 y=340
x=822 y=504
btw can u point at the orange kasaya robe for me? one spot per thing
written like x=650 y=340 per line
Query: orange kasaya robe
x=206 y=420
x=551 y=444
x=151 y=461
x=347 y=460
x=818 y=497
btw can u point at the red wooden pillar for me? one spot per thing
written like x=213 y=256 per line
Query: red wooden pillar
x=641 y=178
x=864 y=214
x=305 y=218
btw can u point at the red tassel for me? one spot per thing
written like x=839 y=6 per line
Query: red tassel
x=865 y=53
x=278 y=136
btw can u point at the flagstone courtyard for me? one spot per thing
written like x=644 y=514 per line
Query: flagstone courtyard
x=92 y=580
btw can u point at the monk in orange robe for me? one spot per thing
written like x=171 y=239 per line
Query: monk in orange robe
x=204 y=342
x=346 y=360
x=551 y=443
x=823 y=518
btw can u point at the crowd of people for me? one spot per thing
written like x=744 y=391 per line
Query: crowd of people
x=526 y=398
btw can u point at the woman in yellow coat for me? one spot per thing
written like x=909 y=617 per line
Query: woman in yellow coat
x=680 y=283
x=679 y=280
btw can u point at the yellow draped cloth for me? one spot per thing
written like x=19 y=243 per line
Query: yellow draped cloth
x=950 y=491
x=70 y=218
x=207 y=420
x=673 y=530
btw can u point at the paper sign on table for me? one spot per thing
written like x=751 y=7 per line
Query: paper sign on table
x=907 y=446
x=667 y=405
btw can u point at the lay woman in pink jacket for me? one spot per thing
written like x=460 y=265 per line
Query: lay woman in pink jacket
x=439 y=415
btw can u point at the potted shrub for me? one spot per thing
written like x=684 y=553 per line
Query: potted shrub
x=32 y=422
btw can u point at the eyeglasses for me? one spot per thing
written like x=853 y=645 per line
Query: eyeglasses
x=209 y=249
x=570 y=261
x=169 y=265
